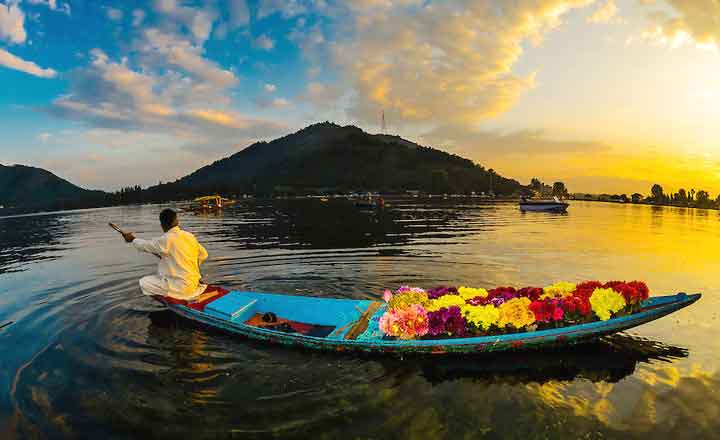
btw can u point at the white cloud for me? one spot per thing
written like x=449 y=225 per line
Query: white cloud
x=264 y=42
x=138 y=15
x=12 y=23
x=288 y=8
x=605 y=13
x=443 y=62
x=52 y=5
x=170 y=49
x=114 y=14
x=695 y=21
x=270 y=88
x=198 y=21
x=239 y=13
x=13 y=62
x=43 y=137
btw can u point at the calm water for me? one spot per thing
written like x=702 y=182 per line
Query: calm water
x=83 y=353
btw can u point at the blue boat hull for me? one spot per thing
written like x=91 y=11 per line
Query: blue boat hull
x=233 y=311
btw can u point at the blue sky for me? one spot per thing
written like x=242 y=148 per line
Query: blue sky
x=602 y=93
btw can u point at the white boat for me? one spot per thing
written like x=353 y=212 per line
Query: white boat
x=546 y=205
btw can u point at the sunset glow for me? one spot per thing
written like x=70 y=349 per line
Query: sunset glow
x=608 y=95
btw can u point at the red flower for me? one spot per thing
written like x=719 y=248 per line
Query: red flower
x=586 y=289
x=530 y=292
x=576 y=305
x=547 y=310
x=642 y=289
x=633 y=292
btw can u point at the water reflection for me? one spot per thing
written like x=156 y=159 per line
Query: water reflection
x=30 y=238
x=91 y=355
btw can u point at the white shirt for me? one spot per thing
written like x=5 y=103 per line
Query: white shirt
x=180 y=258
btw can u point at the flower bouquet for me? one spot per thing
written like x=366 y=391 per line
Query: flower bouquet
x=413 y=312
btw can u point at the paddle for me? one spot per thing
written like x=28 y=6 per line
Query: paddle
x=123 y=233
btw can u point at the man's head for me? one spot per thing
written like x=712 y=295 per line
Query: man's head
x=168 y=219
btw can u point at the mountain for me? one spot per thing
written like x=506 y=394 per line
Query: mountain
x=35 y=187
x=328 y=157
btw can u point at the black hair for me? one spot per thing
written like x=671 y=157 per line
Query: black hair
x=168 y=219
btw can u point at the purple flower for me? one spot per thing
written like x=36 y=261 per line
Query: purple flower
x=447 y=321
x=497 y=301
x=441 y=291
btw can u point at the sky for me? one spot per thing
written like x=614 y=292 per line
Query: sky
x=607 y=95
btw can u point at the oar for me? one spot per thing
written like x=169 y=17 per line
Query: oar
x=117 y=228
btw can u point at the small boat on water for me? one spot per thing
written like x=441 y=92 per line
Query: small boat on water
x=546 y=205
x=353 y=325
x=210 y=203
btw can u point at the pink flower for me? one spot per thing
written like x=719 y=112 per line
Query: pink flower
x=387 y=295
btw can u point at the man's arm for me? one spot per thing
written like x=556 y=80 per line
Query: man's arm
x=156 y=246
x=202 y=254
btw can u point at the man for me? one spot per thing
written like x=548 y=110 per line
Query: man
x=180 y=255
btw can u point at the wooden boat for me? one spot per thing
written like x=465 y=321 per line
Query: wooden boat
x=549 y=205
x=210 y=203
x=352 y=325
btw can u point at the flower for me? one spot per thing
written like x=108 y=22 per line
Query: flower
x=404 y=298
x=576 y=305
x=441 y=291
x=407 y=323
x=605 y=302
x=505 y=293
x=447 y=321
x=468 y=293
x=445 y=301
x=560 y=289
x=387 y=295
x=547 y=310
x=516 y=313
x=530 y=292
x=585 y=289
x=633 y=292
x=482 y=317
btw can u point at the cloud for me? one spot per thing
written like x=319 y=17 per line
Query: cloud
x=605 y=13
x=12 y=23
x=269 y=88
x=13 y=62
x=114 y=14
x=138 y=15
x=43 y=137
x=53 y=5
x=264 y=42
x=483 y=143
x=198 y=21
x=441 y=62
x=162 y=48
x=695 y=21
x=239 y=13
x=288 y=8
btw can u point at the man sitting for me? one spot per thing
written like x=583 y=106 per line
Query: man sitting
x=180 y=255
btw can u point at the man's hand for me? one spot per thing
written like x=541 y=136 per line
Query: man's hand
x=128 y=237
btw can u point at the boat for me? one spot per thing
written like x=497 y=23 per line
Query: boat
x=210 y=203
x=546 y=205
x=353 y=325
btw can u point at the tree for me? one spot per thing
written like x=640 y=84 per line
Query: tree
x=657 y=193
x=702 y=198
x=559 y=190
x=636 y=197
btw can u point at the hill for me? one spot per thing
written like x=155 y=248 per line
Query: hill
x=29 y=187
x=326 y=157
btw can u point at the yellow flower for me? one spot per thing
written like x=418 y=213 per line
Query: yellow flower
x=404 y=300
x=605 y=302
x=471 y=292
x=516 y=313
x=482 y=316
x=560 y=289
x=445 y=301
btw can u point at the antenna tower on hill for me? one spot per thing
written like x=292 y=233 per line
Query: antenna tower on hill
x=383 y=127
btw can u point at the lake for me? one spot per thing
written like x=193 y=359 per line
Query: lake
x=83 y=353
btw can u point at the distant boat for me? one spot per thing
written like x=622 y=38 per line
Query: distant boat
x=210 y=203
x=546 y=205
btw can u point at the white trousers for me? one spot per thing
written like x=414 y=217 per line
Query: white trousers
x=154 y=285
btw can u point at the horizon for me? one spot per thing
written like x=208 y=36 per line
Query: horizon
x=603 y=95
